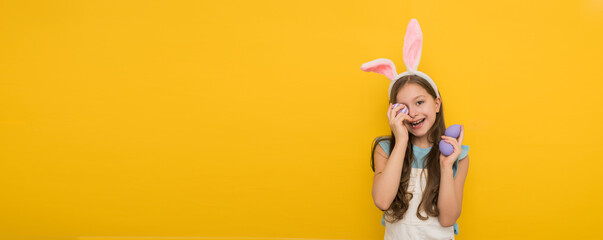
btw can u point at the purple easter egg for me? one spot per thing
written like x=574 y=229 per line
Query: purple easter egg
x=404 y=110
x=453 y=131
x=446 y=148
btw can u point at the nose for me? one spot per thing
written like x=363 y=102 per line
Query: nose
x=411 y=112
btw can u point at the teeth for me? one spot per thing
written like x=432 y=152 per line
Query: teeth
x=417 y=121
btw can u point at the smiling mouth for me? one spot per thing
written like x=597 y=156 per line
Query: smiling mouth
x=417 y=124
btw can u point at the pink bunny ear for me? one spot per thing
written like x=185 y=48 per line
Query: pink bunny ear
x=413 y=41
x=381 y=66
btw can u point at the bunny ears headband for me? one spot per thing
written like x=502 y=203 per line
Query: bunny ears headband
x=413 y=41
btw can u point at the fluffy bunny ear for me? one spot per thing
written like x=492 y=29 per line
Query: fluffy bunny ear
x=381 y=66
x=413 y=41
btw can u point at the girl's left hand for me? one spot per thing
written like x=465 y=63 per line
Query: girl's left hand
x=448 y=161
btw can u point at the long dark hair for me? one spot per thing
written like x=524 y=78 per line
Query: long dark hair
x=429 y=200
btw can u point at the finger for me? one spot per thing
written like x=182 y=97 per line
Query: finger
x=447 y=137
x=406 y=121
x=453 y=143
x=403 y=117
x=389 y=109
x=407 y=118
x=450 y=140
x=399 y=117
x=398 y=107
x=404 y=111
x=392 y=112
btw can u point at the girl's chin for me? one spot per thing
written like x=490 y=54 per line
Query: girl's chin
x=418 y=132
x=418 y=135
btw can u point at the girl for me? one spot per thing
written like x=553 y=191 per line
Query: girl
x=419 y=189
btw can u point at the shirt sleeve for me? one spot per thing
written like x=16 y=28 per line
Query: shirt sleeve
x=385 y=145
x=464 y=152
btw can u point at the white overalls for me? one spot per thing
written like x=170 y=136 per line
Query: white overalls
x=410 y=226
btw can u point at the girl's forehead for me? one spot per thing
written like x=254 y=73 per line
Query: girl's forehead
x=410 y=92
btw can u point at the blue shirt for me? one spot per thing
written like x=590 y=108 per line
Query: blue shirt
x=420 y=153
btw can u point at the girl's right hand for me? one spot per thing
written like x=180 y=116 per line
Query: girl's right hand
x=396 y=122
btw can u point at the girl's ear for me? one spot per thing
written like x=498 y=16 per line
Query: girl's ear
x=381 y=66
x=438 y=103
x=413 y=41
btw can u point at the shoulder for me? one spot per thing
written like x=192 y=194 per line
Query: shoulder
x=382 y=145
x=380 y=155
x=381 y=151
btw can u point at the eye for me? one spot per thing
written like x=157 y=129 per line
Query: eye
x=419 y=102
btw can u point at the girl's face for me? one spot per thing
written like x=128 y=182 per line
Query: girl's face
x=421 y=107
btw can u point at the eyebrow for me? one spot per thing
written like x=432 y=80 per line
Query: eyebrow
x=419 y=96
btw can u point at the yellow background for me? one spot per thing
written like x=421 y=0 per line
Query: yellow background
x=253 y=120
